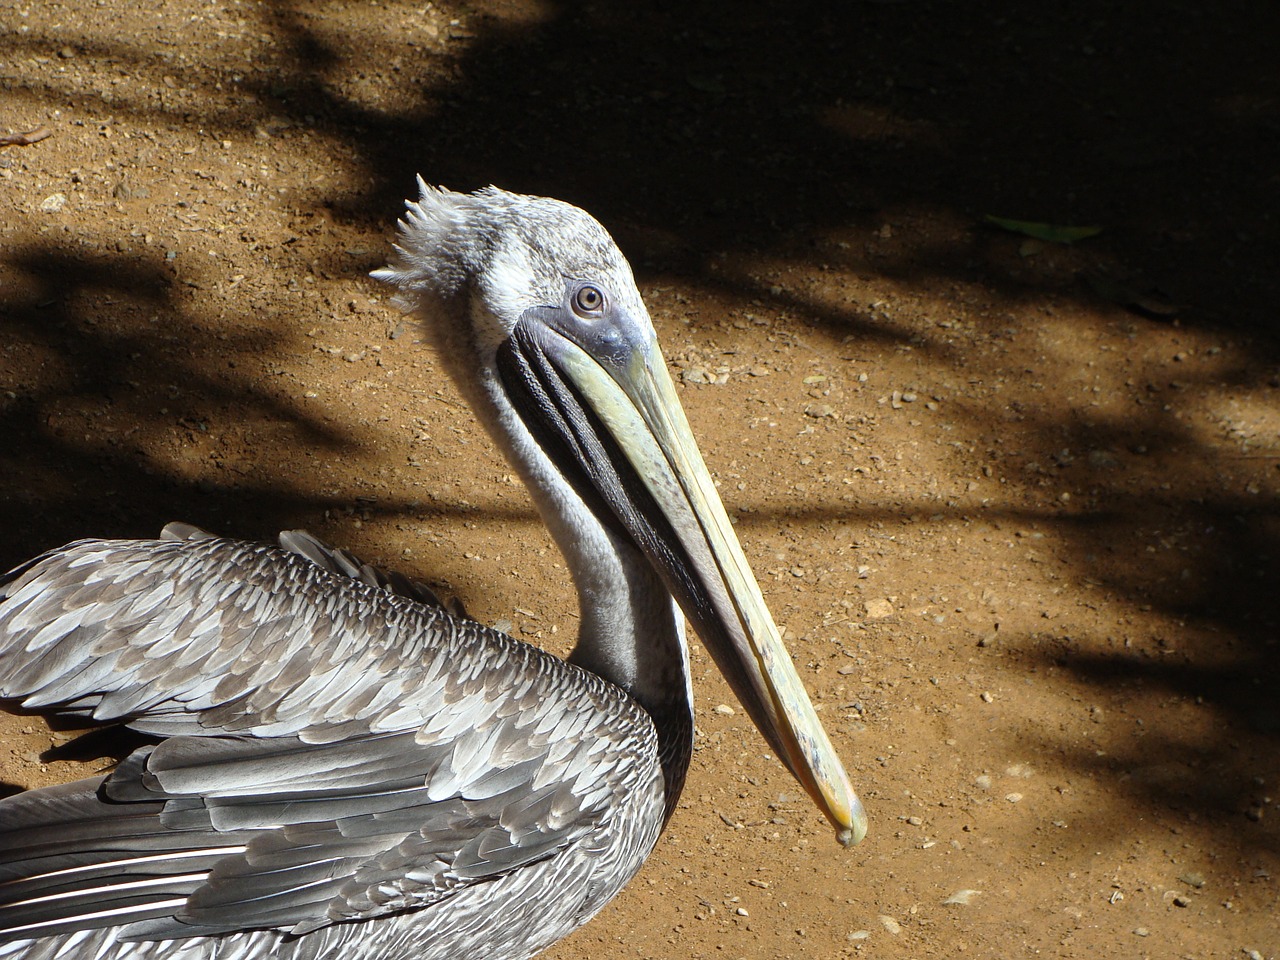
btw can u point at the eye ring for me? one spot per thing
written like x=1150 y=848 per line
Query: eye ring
x=588 y=300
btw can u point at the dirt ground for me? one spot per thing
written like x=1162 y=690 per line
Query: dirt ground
x=1016 y=501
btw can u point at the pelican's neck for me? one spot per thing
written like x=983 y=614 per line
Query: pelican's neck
x=632 y=632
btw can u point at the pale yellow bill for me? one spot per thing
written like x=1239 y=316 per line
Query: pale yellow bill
x=639 y=407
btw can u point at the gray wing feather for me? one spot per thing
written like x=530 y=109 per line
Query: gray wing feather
x=338 y=752
x=284 y=834
x=182 y=634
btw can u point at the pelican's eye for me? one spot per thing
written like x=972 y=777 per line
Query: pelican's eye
x=588 y=301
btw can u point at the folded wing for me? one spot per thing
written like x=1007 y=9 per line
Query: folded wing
x=200 y=634
x=336 y=752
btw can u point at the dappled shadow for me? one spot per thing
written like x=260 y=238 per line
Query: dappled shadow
x=707 y=133
x=121 y=366
x=755 y=126
x=710 y=127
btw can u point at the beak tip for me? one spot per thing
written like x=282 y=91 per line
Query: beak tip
x=852 y=834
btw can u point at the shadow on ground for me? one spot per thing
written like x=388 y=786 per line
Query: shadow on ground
x=755 y=129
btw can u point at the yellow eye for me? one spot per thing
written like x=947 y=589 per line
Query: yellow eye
x=588 y=300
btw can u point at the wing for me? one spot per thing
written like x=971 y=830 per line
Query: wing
x=337 y=752
x=210 y=835
x=198 y=634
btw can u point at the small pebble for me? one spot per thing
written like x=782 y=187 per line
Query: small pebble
x=859 y=935
x=1142 y=932
x=742 y=912
x=1103 y=459
x=1013 y=797
x=961 y=897
x=987 y=697
x=890 y=924
x=53 y=203
x=695 y=375
x=878 y=609
x=725 y=710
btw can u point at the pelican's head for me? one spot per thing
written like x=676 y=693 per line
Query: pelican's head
x=535 y=296
x=507 y=254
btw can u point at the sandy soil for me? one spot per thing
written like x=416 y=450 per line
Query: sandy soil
x=1015 y=501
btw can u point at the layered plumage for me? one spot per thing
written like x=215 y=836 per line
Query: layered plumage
x=335 y=753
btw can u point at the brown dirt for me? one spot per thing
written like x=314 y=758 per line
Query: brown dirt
x=1021 y=525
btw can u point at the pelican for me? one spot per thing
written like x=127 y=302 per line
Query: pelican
x=343 y=769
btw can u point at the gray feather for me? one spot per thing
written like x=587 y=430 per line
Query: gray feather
x=346 y=764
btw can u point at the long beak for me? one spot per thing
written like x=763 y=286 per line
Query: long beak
x=632 y=401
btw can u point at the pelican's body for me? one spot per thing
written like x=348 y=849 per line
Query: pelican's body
x=345 y=770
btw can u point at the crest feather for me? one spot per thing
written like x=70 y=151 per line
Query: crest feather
x=433 y=249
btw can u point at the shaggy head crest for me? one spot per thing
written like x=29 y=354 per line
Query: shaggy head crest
x=511 y=251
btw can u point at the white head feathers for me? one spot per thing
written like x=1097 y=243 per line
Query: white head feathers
x=513 y=252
